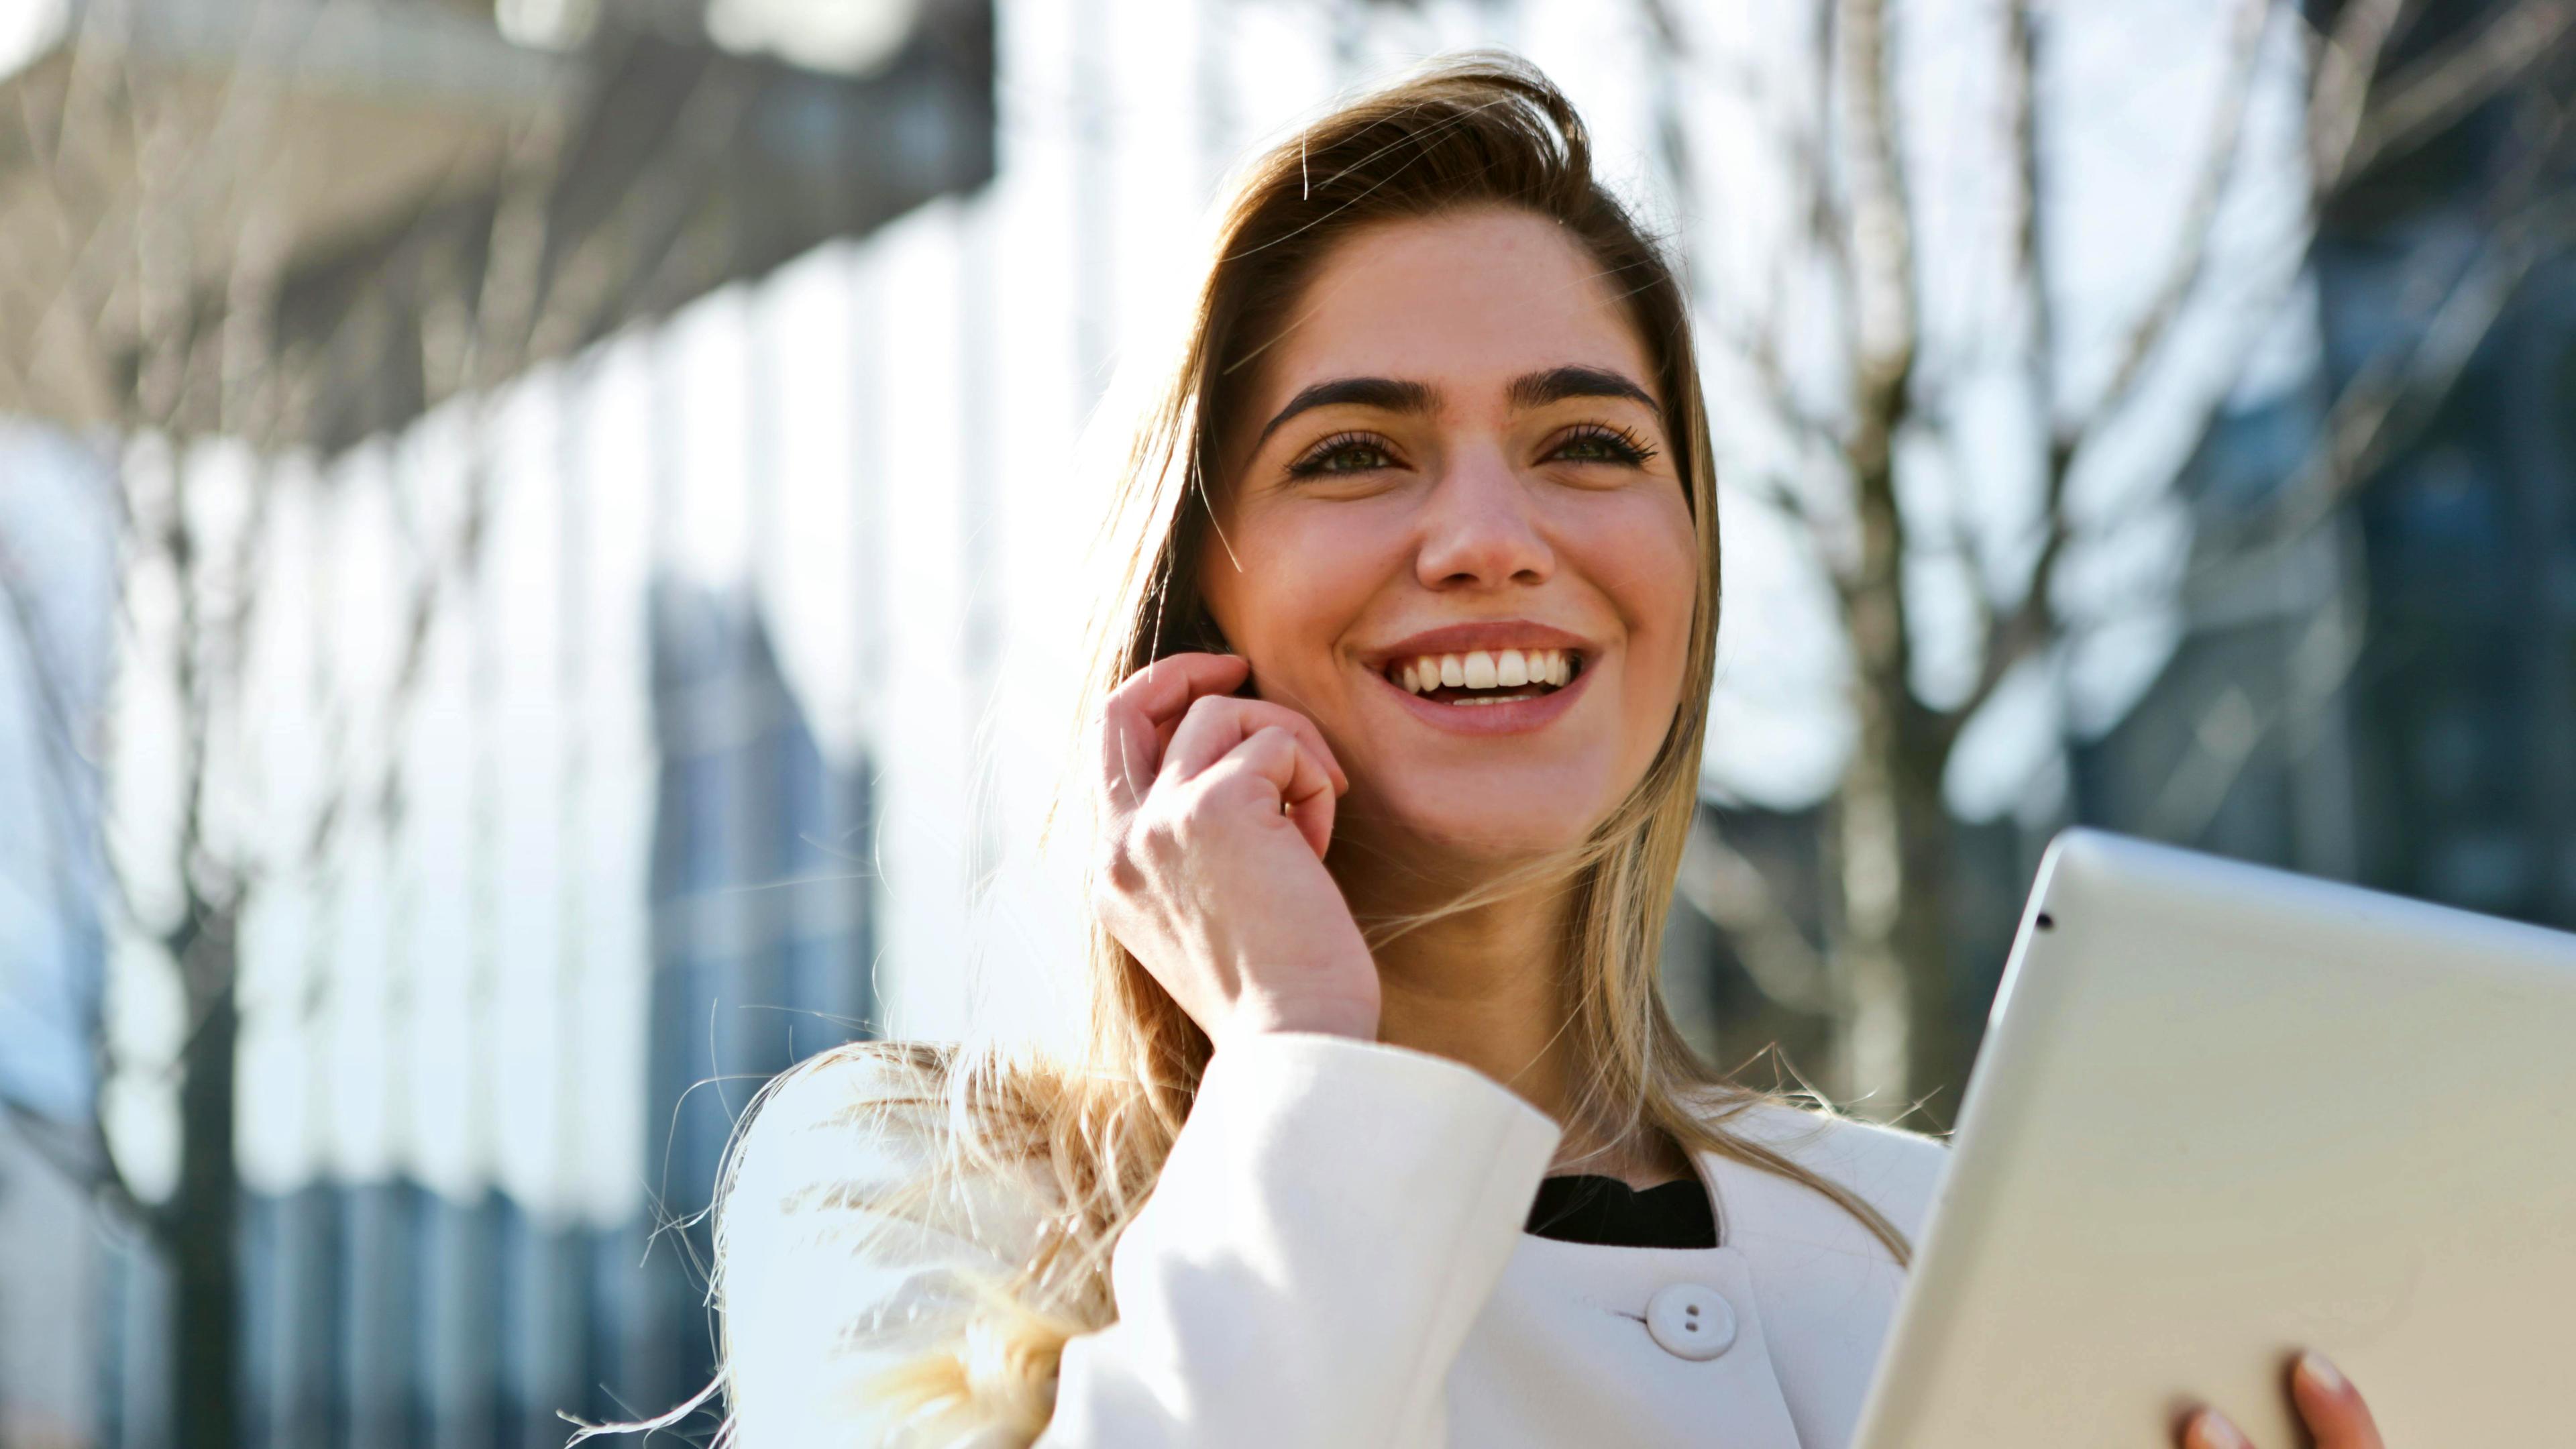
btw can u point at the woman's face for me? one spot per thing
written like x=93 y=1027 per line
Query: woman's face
x=1453 y=535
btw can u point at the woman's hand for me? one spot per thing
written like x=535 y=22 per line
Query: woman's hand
x=2329 y=1404
x=1215 y=813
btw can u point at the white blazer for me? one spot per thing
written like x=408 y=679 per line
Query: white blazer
x=1334 y=1256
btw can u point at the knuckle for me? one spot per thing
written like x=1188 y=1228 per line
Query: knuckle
x=1164 y=831
x=1116 y=872
x=1280 y=749
x=1105 y=902
x=1126 y=874
x=1286 y=718
x=1233 y=788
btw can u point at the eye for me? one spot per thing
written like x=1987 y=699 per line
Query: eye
x=1597 y=443
x=1340 y=454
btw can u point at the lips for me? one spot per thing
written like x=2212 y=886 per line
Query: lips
x=1489 y=635
x=1498 y=676
x=1503 y=710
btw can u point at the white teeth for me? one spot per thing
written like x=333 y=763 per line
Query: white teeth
x=1484 y=669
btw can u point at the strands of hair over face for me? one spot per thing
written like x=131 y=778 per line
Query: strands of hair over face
x=1087 y=1132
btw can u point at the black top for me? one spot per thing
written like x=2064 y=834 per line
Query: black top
x=1610 y=1213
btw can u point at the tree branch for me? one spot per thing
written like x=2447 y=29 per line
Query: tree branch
x=2029 y=260
x=2199 y=225
x=2225 y=736
x=1881 y=235
x=2346 y=68
x=86 y=1162
x=2397 y=391
x=2020 y=633
x=1734 y=896
x=2438 y=91
x=525 y=310
x=2375 y=410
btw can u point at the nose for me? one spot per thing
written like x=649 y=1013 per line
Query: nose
x=1480 y=527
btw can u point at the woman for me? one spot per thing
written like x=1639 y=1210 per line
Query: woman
x=1382 y=1135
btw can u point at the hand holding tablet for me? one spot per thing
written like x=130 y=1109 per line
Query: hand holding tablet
x=2224 y=1116
x=2327 y=1402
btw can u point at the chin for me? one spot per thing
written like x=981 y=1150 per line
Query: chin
x=1487 y=831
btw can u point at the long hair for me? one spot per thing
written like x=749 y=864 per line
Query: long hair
x=1086 y=1130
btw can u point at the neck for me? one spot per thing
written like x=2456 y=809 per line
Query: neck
x=1487 y=987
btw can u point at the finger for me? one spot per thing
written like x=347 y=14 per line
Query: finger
x=2210 y=1429
x=1164 y=688
x=1215 y=725
x=1290 y=775
x=1137 y=718
x=2332 y=1406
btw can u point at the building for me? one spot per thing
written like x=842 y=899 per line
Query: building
x=580 y=875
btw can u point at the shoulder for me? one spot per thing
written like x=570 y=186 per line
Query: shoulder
x=853 y=1237
x=858 y=1151
x=1893 y=1169
x=861 y=1118
x=852 y=1088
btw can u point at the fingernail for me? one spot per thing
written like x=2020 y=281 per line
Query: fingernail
x=2324 y=1375
x=2217 y=1433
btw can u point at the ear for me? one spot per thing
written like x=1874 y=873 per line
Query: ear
x=1211 y=637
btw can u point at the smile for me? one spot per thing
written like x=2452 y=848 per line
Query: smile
x=1485 y=676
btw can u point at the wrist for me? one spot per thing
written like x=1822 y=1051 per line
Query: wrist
x=1266 y=1016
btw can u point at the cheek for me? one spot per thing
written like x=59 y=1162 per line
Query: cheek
x=1646 y=561
x=1288 y=579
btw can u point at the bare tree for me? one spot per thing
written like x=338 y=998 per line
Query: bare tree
x=272 y=228
x=156 y=295
x=1884 y=973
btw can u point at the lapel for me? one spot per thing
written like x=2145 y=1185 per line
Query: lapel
x=1827 y=1287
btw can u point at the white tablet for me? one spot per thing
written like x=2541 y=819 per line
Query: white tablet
x=2222 y=1113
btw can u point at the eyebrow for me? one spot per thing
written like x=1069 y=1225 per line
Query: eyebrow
x=1538 y=389
x=1398 y=395
x=1385 y=393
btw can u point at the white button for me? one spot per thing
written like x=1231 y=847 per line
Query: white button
x=1691 y=1321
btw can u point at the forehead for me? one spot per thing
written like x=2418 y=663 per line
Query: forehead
x=1465 y=301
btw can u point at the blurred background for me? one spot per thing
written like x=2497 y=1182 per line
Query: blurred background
x=536 y=536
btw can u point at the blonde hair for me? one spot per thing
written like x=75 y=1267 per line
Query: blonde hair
x=1088 y=1130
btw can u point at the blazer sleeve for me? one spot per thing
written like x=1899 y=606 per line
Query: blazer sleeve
x=1329 y=1224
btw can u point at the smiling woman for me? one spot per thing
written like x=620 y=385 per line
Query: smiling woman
x=1464 y=465
x=1382 y=1134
